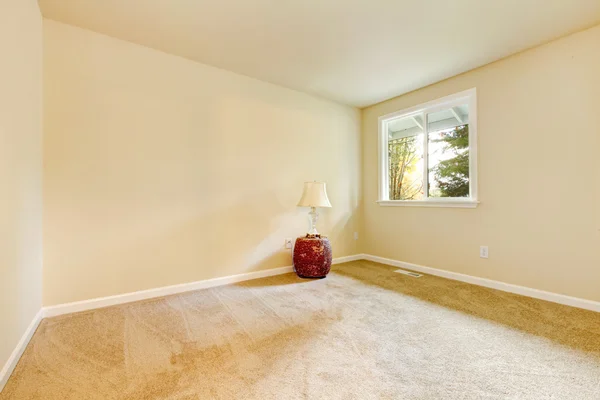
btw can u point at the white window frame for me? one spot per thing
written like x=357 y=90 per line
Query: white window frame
x=468 y=97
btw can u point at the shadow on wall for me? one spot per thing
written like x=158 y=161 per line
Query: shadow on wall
x=147 y=253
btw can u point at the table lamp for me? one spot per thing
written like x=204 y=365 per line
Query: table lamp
x=314 y=196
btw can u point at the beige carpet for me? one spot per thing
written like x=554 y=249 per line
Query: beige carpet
x=362 y=333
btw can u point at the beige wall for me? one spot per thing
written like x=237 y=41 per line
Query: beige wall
x=159 y=170
x=20 y=169
x=539 y=167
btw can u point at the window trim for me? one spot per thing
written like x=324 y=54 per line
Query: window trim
x=469 y=97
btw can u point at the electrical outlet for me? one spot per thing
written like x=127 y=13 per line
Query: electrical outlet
x=288 y=243
x=355 y=235
x=484 y=252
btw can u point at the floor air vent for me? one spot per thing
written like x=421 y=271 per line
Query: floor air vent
x=409 y=273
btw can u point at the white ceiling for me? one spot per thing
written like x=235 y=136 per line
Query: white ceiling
x=357 y=52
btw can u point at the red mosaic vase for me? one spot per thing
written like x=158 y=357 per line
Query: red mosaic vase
x=312 y=256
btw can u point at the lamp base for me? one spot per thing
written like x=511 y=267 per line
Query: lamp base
x=313 y=217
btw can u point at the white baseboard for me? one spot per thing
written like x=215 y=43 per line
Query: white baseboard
x=68 y=308
x=100 y=302
x=505 y=287
x=341 y=260
x=14 y=358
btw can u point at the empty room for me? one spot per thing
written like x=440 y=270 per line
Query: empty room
x=334 y=199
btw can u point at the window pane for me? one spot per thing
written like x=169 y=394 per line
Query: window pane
x=448 y=152
x=405 y=151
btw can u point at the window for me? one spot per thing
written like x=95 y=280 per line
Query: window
x=428 y=154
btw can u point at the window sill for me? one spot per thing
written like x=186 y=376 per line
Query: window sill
x=429 y=203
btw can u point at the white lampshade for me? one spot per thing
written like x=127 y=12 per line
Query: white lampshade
x=314 y=195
